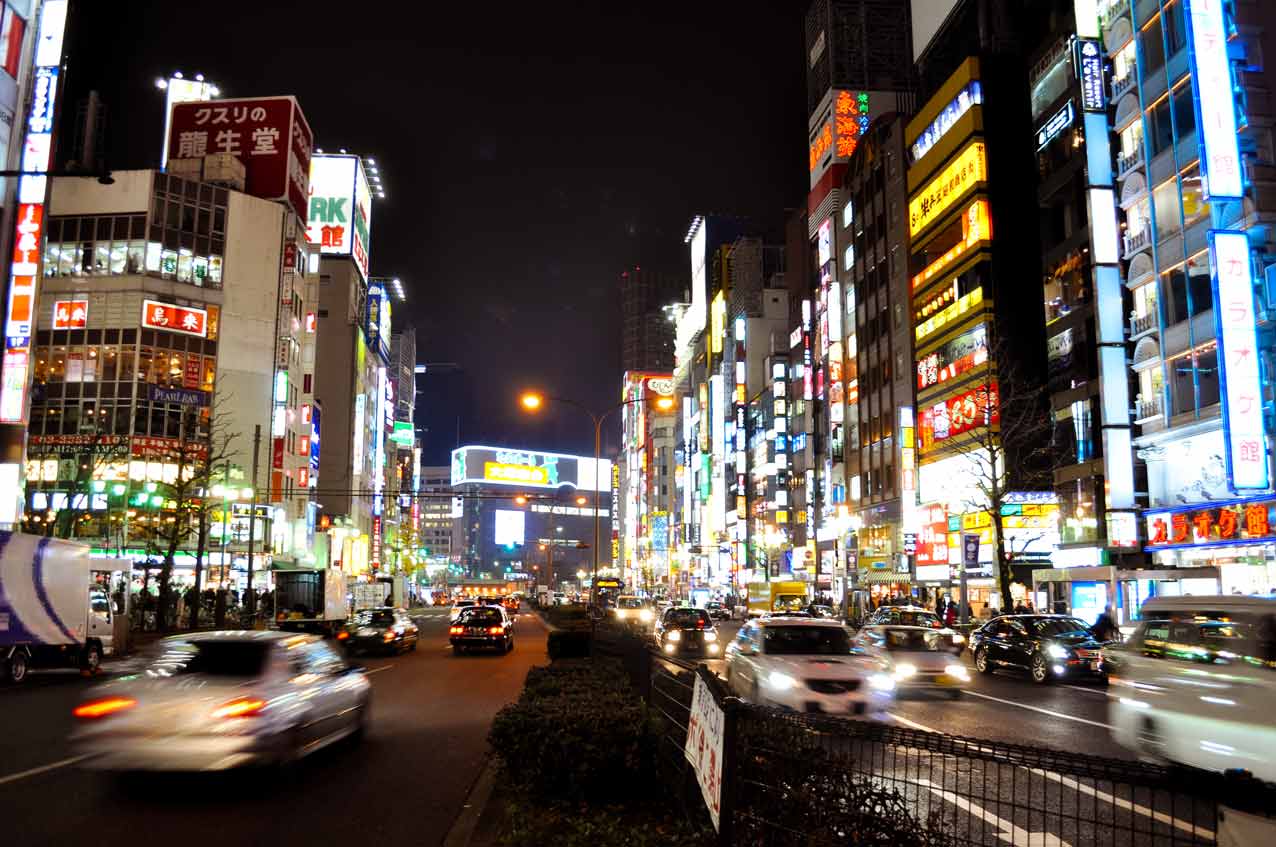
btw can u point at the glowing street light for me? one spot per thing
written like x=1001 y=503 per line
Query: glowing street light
x=580 y=501
x=521 y=500
x=532 y=401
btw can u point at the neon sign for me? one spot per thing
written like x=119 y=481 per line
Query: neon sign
x=1232 y=275
x=971 y=95
x=976 y=228
x=948 y=187
x=1215 y=103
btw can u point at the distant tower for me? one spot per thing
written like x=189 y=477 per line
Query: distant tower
x=646 y=337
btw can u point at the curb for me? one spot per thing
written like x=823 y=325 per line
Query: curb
x=463 y=828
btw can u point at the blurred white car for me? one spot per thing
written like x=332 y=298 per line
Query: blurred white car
x=918 y=658
x=1196 y=681
x=458 y=607
x=634 y=611
x=806 y=664
x=218 y=700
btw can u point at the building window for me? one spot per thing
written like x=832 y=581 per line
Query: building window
x=1151 y=47
x=1169 y=214
x=1162 y=133
x=1184 y=110
x=1207 y=376
x=1175 y=30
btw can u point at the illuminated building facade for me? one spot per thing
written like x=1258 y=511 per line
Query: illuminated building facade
x=645 y=480
x=1189 y=90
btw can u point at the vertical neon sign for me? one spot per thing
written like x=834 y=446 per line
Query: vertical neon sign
x=24 y=272
x=1215 y=103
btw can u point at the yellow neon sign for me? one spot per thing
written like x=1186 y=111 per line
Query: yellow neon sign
x=948 y=187
x=975 y=228
x=717 y=322
x=527 y=474
x=963 y=305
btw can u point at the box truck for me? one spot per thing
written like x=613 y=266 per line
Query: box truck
x=777 y=597
x=52 y=611
x=310 y=600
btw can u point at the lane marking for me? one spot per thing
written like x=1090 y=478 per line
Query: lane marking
x=914 y=724
x=377 y=669
x=1006 y=830
x=1102 y=692
x=52 y=766
x=1052 y=714
x=1160 y=817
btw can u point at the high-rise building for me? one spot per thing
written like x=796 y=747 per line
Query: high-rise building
x=645 y=480
x=857 y=45
x=434 y=494
x=1191 y=89
x=646 y=331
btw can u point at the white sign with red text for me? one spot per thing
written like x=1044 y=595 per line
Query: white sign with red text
x=166 y=316
x=704 y=746
x=1238 y=358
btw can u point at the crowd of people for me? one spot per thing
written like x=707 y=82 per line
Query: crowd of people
x=213 y=606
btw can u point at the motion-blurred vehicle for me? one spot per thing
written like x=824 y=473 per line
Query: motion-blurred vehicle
x=682 y=630
x=718 y=611
x=918 y=658
x=385 y=630
x=560 y=599
x=482 y=627
x=510 y=603
x=52 y=611
x=309 y=600
x=777 y=597
x=1196 y=681
x=219 y=700
x=904 y=616
x=632 y=611
x=818 y=611
x=805 y=664
x=1048 y=647
x=460 y=606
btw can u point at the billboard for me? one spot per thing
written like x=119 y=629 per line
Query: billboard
x=1238 y=359
x=269 y=135
x=956 y=415
x=339 y=214
x=70 y=314
x=377 y=321
x=509 y=527
x=528 y=469
x=186 y=320
x=953 y=183
x=1215 y=99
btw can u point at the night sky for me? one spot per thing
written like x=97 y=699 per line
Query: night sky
x=530 y=153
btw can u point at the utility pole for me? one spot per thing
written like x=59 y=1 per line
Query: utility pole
x=250 y=603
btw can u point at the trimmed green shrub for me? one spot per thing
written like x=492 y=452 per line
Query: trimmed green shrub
x=608 y=826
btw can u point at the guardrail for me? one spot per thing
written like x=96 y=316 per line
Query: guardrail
x=795 y=779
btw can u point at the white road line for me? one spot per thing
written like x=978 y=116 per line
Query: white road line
x=1160 y=817
x=914 y=724
x=1053 y=714
x=52 y=766
x=1006 y=830
x=1102 y=692
x=378 y=669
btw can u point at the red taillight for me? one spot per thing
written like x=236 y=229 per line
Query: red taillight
x=496 y=630
x=389 y=636
x=456 y=630
x=102 y=708
x=343 y=635
x=240 y=707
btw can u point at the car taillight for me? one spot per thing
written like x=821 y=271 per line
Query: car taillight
x=389 y=635
x=240 y=707
x=343 y=635
x=496 y=630
x=456 y=630
x=102 y=708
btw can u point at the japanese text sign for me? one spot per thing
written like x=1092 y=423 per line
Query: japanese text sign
x=1215 y=103
x=952 y=184
x=962 y=413
x=1233 y=523
x=70 y=314
x=1232 y=275
x=183 y=319
x=340 y=208
x=704 y=746
x=269 y=135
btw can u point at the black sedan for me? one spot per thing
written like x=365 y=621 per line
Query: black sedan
x=380 y=630
x=1048 y=647
x=683 y=630
x=482 y=627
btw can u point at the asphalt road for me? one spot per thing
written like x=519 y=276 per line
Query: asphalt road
x=405 y=784
x=1004 y=706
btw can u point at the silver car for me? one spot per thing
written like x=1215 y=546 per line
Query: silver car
x=218 y=700
x=918 y=658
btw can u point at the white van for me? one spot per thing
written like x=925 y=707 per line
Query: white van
x=1196 y=681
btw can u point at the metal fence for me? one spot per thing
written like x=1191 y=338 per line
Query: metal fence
x=797 y=779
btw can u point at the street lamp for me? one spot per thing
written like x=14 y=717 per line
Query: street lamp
x=533 y=401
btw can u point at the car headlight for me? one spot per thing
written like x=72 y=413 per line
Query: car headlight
x=646 y=616
x=957 y=672
x=905 y=670
x=882 y=682
x=1057 y=652
x=780 y=681
x=958 y=638
x=673 y=635
x=620 y=613
x=710 y=635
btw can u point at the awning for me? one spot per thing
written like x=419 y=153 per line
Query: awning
x=882 y=577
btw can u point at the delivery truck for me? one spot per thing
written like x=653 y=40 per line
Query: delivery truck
x=767 y=598
x=53 y=613
x=310 y=600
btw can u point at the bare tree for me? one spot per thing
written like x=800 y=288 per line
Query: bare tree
x=1004 y=439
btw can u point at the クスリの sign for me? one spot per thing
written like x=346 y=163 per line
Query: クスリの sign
x=269 y=135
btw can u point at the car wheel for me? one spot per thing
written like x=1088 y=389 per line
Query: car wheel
x=412 y=646
x=509 y=646
x=360 y=733
x=91 y=663
x=457 y=650
x=1039 y=669
x=982 y=663
x=16 y=670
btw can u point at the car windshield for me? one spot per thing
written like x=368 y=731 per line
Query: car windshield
x=789 y=602
x=211 y=658
x=929 y=619
x=484 y=616
x=687 y=618
x=1047 y=627
x=914 y=639
x=806 y=640
x=630 y=603
x=376 y=617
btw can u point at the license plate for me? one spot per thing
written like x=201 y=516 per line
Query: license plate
x=1096 y=664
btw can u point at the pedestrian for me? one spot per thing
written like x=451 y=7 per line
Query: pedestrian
x=1105 y=628
x=950 y=614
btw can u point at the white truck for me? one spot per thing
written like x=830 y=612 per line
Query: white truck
x=310 y=600
x=52 y=612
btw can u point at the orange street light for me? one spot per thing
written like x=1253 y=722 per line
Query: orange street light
x=542 y=546
x=521 y=500
x=664 y=404
x=531 y=401
x=580 y=501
